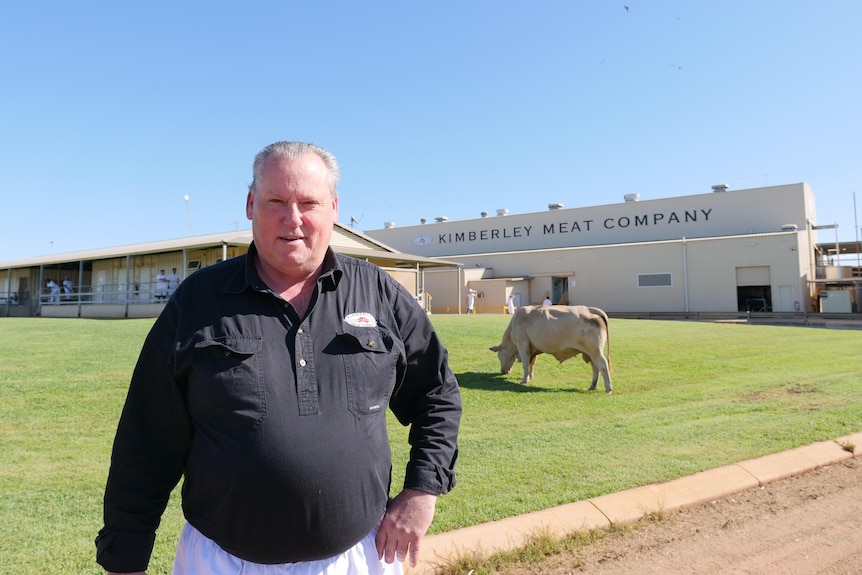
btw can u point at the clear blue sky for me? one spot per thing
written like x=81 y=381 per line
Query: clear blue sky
x=112 y=112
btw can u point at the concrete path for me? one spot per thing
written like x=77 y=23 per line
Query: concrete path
x=631 y=505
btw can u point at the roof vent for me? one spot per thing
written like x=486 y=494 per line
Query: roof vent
x=484 y=214
x=631 y=197
x=423 y=221
x=388 y=225
x=440 y=219
x=555 y=206
x=717 y=188
x=789 y=228
x=503 y=212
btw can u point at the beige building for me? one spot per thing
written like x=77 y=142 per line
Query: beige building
x=123 y=281
x=724 y=251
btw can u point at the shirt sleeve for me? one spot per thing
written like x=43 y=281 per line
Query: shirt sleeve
x=148 y=455
x=426 y=397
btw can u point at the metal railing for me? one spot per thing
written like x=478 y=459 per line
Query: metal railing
x=143 y=293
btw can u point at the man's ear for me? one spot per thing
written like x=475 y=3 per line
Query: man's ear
x=249 y=204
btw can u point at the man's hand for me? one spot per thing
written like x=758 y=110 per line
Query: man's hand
x=406 y=520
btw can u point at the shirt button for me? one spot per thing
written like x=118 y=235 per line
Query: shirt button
x=302 y=362
x=371 y=343
x=299 y=330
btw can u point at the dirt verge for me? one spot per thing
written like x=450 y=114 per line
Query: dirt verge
x=809 y=524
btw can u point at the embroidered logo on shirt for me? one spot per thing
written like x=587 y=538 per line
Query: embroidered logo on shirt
x=361 y=319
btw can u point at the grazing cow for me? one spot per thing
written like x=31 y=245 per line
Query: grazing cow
x=561 y=330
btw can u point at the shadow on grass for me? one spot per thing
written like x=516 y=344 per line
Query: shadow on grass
x=499 y=382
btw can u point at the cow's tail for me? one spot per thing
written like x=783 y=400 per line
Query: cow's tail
x=608 y=328
x=604 y=317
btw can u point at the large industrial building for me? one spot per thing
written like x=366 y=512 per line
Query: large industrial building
x=724 y=251
x=720 y=251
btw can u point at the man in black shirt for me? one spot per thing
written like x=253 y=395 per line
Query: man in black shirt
x=265 y=382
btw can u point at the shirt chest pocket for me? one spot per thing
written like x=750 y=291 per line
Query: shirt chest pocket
x=369 y=362
x=226 y=383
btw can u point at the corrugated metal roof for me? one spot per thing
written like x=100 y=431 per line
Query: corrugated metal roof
x=230 y=238
x=344 y=240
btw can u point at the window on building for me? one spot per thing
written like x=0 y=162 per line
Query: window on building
x=655 y=280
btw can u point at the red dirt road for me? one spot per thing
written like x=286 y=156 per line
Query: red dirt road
x=809 y=524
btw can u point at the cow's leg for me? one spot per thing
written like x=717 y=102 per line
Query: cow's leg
x=527 y=362
x=603 y=368
x=533 y=357
x=595 y=368
x=595 y=375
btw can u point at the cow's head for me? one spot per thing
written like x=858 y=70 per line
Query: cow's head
x=506 y=355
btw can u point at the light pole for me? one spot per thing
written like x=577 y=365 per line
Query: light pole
x=188 y=220
x=856 y=225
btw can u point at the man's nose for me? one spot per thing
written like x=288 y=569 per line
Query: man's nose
x=292 y=214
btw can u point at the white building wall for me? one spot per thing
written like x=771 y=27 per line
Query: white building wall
x=703 y=273
x=702 y=243
x=758 y=210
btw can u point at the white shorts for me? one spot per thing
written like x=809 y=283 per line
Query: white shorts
x=199 y=555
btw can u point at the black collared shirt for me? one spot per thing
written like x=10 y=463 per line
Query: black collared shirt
x=278 y=422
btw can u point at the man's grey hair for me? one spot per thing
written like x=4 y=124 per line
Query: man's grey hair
x=294 y=151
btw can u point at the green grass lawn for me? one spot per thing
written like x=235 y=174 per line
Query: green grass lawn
x=687 y=397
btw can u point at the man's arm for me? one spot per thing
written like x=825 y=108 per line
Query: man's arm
x=147 y=459
x=404 y=525
x=429 y=401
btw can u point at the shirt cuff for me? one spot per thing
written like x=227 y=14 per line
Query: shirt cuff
x=124 y=551
x=432 y=479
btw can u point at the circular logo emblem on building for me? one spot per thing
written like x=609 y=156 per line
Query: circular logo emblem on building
x=422 y=241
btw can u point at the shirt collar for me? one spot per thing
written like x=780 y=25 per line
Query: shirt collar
x=331 y=273
x=247 y=275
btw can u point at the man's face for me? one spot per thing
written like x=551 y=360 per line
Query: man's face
x=292 y=213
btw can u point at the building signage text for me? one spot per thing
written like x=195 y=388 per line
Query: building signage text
x=644 y=220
